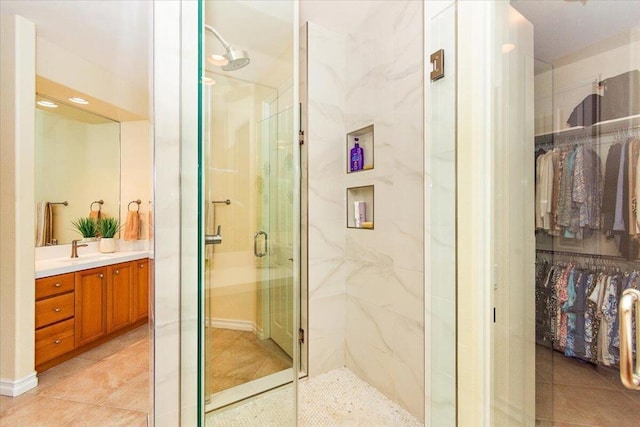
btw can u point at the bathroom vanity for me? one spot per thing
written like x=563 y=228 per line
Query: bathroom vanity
x=84 y=302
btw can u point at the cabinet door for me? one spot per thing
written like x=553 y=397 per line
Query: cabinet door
x=90 y=305
x=119 y=297
x=141 y=273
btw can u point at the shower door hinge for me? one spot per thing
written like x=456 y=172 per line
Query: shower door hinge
x=301 y=137
x=301 y=336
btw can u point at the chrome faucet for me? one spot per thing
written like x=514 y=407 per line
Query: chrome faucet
x=74 y=248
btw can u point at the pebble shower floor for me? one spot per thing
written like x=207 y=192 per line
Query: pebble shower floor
x=337 y=398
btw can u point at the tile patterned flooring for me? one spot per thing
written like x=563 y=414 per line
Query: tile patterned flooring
x=106 y=386
x=574 y=393
x=239 y=357
x=109 y=386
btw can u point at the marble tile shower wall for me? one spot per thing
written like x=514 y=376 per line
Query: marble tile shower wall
x=326 y=193
x=366 y=288
x=385 y=267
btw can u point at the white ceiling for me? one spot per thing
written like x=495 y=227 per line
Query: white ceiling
x=113 y=34
x=563 y=27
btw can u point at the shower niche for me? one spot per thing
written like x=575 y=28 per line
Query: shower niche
x=360 y=207
x=364 y=160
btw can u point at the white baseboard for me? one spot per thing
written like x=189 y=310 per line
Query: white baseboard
x=236 y=325
x=15 y=388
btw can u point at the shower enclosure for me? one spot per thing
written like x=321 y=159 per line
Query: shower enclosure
x=250 y=203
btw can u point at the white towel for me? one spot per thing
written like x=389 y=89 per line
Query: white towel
x=44 y=223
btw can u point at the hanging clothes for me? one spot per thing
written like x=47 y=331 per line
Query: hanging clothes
x=577 y=310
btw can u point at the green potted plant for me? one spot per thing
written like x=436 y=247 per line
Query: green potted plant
x=87 y=227
x=108 y=228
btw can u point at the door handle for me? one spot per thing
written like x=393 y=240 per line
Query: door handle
x=213 y=239
x=629 y=374
x=255 y=244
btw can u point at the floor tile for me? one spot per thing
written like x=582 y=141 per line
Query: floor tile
x=581 y=394
x=239 y=357
x=44 y=411
x=107 y=386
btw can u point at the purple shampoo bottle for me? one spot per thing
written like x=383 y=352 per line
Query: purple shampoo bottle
x=357 y=156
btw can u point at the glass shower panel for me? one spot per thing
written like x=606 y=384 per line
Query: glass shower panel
x=586 y=118
x=248 y=191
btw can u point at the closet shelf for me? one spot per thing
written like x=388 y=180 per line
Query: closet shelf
x=595 y=129
x=583 y=255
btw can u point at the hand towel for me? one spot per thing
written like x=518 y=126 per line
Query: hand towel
x=132 y=226
x=44 y=223
x=94 y=214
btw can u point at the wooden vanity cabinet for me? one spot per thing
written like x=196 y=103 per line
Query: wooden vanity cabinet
x=55 y=312
x=141 y=289
x=120 y=296
x=91 y=305
x=77 y=311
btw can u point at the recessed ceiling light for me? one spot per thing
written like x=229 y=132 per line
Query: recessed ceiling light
x=208 y=81
x=47 y=104
x=218 y=60
x=78 y=100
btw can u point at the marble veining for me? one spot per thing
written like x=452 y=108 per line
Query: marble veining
x=366 y=288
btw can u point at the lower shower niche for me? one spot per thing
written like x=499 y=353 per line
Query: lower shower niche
x=360 y=207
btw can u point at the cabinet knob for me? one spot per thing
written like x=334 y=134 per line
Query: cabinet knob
x=57 y=285
x=57 y=309
x=101 y=275
x=141 y=265
x=57 y=342
x=117 y=271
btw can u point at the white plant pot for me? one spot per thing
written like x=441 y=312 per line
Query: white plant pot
x=88 y=239
x=107 y=245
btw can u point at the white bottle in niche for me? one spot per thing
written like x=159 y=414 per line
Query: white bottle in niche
x=359 y=212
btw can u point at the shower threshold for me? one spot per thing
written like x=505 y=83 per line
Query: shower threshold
x=252 y=388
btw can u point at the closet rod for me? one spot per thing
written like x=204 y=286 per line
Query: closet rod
x=579 y=255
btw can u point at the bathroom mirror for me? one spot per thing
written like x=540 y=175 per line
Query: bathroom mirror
x=77 y=168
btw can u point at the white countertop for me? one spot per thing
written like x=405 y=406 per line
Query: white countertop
x=52 y=266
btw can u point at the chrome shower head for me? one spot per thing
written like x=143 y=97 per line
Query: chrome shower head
x=236 y=59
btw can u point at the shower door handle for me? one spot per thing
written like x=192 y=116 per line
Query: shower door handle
x=255 y=244
x=629 y=374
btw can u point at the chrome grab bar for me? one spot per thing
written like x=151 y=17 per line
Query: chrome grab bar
x=629 y=374
x=255 y=244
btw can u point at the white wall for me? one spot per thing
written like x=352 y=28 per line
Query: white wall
x=136 y=177
x=17 y=290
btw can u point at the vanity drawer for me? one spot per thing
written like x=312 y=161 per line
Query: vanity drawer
x=54 y=309
x=54 y=341
x=54 y=285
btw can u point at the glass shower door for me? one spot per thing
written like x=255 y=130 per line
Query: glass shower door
x=248 y=193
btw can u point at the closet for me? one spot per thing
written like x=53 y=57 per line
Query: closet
x=587 y=231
